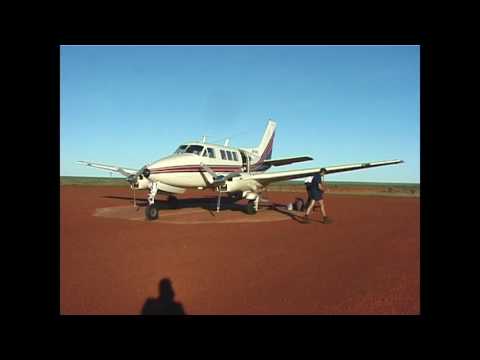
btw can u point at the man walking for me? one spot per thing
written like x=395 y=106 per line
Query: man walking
x=317 y=188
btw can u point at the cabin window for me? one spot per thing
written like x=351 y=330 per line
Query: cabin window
x=229 y=155
x=222 y=153
x=195 y=149
x=235 y=156
x=181 y=149
x=211 y=153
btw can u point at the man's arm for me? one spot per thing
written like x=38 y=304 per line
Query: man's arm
x=321 y=185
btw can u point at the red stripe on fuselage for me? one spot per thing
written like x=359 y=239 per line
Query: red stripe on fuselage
x=195 y=168
x=193 y=165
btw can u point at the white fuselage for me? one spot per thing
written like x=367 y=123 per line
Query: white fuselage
x=183 y=169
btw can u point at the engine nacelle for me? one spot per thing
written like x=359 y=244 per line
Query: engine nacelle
x=142 y=184
x=242 y=185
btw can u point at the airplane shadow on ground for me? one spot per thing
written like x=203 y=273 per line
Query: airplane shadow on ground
x=210 y=204
x=164 y=304
x=207 y=203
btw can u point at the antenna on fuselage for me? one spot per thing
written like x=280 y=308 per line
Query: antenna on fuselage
x=204 y=138
x=227 y=141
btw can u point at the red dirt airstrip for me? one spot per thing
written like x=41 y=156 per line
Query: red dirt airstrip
x=112 y=260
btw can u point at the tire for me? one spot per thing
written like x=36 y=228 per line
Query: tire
x=251 y=208
x=299 y=204
x=151 y=212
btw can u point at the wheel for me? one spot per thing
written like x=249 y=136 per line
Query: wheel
x=172 y=202
x=299 y=204
x=151 y=212
x=251 y=208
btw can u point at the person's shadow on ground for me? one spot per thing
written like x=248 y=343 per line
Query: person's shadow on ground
x=164 y=304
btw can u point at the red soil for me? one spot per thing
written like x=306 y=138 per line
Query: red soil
x=366 y=262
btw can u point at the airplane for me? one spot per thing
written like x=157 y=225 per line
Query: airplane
x=239 y=172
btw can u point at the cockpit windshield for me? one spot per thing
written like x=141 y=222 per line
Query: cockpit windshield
x=192 y=149
x=195 y=149
x=181 y=149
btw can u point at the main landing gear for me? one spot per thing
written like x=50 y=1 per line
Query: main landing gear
x=252 y=206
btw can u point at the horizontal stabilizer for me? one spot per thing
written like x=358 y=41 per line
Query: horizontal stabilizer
x=287 y=161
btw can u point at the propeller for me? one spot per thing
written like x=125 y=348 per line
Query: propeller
x=218 y=181
x=132 y=179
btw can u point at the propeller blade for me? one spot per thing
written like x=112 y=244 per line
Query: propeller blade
x=134 y=200
x=210 y=171
x=123 y=172
x=218 y=200
x=218 y=179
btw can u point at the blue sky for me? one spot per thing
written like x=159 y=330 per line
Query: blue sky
x=131 y=105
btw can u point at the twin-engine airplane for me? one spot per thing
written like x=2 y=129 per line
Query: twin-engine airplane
x=240 y=172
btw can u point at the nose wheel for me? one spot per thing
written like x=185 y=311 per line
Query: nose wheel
x=151 y=212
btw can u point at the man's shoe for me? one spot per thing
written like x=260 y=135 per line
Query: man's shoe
x=326 y=220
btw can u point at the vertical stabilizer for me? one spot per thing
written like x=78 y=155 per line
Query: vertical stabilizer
x=264 y=150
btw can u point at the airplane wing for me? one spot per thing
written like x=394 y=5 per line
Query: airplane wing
x=267 y=178
x=123 y=171
x=286 y=161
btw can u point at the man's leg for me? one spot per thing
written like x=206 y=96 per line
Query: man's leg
x=324 y=213
x=322 y=208
x=310 y=207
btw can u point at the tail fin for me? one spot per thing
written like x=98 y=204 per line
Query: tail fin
x=264 y=150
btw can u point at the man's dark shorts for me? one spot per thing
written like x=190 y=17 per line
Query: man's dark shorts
x=316 y=195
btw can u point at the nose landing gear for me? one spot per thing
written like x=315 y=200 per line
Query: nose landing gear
x=151 y=212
